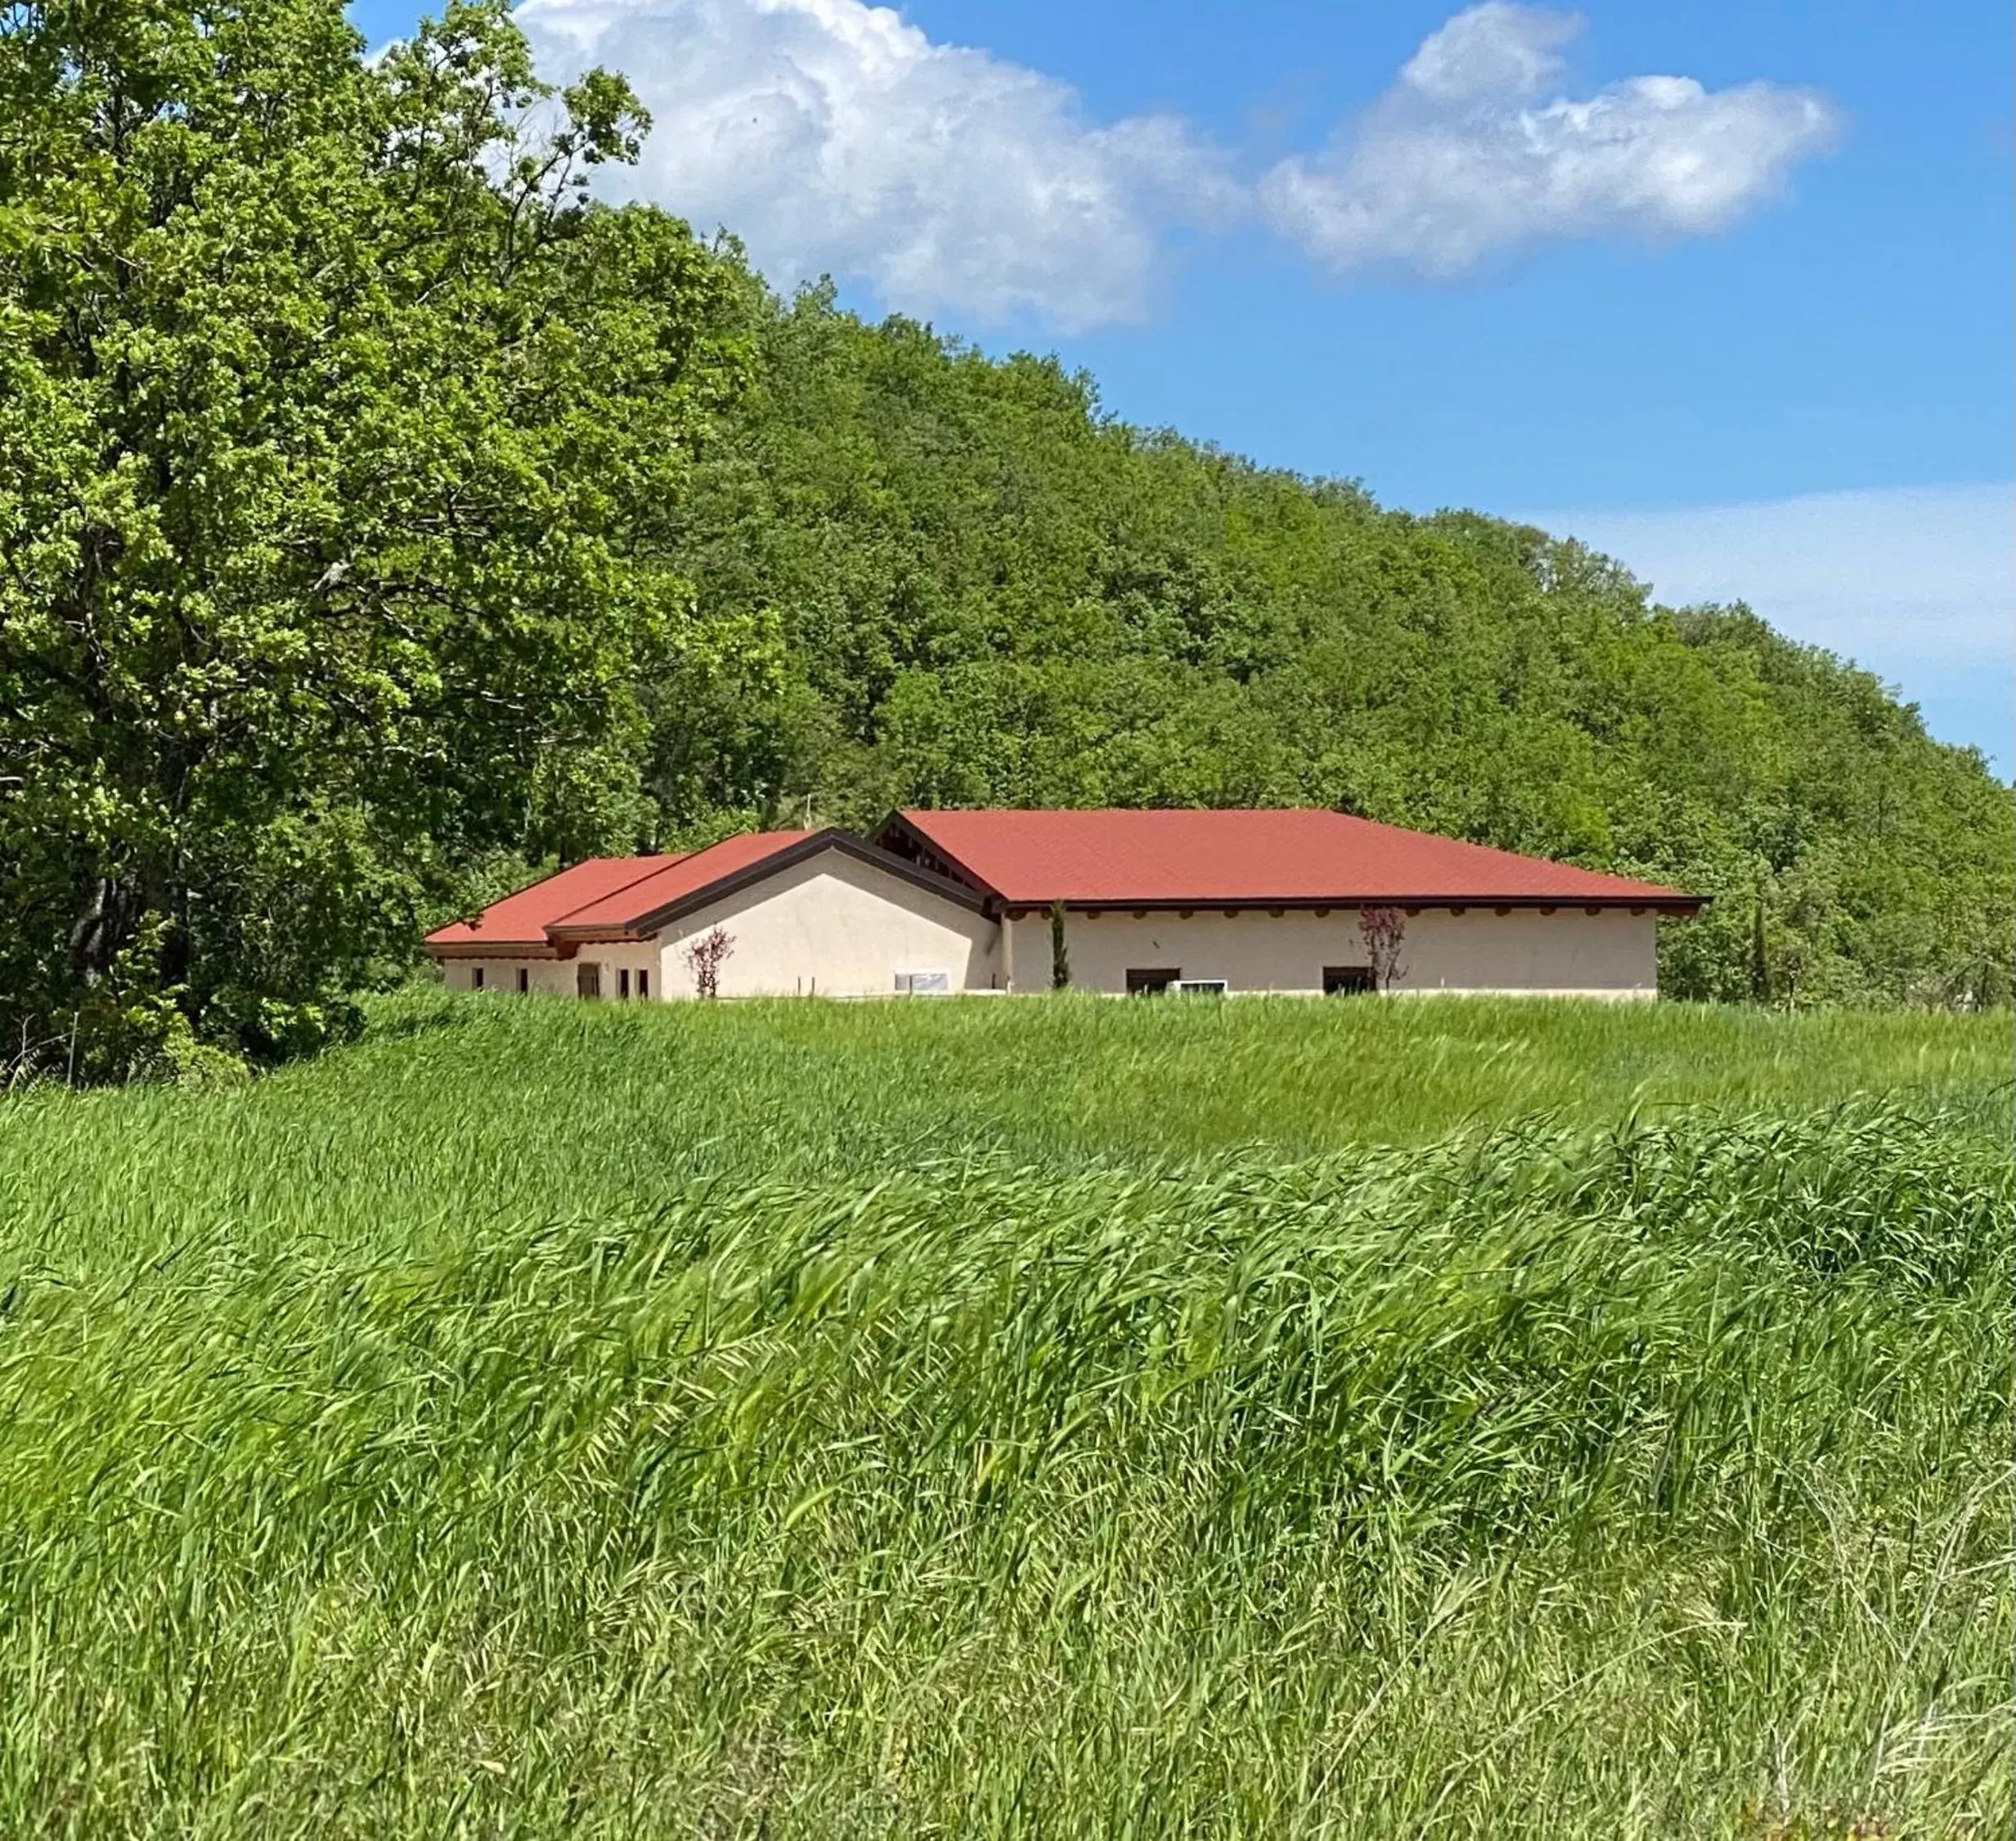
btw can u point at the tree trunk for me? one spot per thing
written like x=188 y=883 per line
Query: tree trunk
x=90 y=933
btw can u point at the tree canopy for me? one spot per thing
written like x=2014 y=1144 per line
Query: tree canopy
x=338 y=438
x=380 y=517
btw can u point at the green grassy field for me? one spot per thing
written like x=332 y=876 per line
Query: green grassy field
x=1044 y=1416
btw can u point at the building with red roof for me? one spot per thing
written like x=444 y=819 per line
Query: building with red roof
x=1134 y=901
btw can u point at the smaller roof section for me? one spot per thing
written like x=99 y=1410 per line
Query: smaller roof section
x=522 y=919
x=632 y=898
x=672 y=884
x=1250 y=858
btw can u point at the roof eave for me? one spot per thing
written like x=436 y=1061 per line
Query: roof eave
x=490 y=948
x=1662 y=901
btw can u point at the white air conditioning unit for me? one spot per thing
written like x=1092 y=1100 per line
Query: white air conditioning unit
x=923 y=984
x=1202 y=987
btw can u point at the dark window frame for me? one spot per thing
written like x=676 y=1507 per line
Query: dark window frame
x=643 y=982
x=1152 y=980
x=588 y=979
x=1347 y=980
x=524 y=979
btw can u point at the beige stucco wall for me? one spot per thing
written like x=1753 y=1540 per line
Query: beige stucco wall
x=834 y=925
x=501 y=974
x=841 y=927
x=1569 y=952
x=555 y=977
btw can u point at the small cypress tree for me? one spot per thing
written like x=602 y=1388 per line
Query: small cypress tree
x=1760 y=957
x=1060 y=958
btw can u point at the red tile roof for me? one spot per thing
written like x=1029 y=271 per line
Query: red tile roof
x=522 y=919
x=1247 y=857
x=680 y=877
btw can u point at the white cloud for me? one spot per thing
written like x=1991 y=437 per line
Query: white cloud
x=1463 y=159
x=833 y=138
x=1916 y=584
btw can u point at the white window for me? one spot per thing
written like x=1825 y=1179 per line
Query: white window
x=921 y=984
x=1202 y=987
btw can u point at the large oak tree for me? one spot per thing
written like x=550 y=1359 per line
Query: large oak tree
x=338 y=433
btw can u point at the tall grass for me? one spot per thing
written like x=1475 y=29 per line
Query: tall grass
x=456 y=1111
x=838 y=1446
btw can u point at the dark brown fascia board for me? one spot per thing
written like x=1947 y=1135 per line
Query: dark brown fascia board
x=762 y=869
x=1661 y=904
x=896 y=821
x=490 y=948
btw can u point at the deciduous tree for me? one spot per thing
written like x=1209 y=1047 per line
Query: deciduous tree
x=705 y=957
x=1384 y=931
x=339 y=437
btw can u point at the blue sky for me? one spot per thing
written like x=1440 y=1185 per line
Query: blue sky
x=1723 y=287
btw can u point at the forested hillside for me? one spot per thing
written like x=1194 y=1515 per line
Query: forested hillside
x=383 y=517
x=977 y=589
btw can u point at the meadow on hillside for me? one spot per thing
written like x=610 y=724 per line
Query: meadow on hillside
x=1029 y=1415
